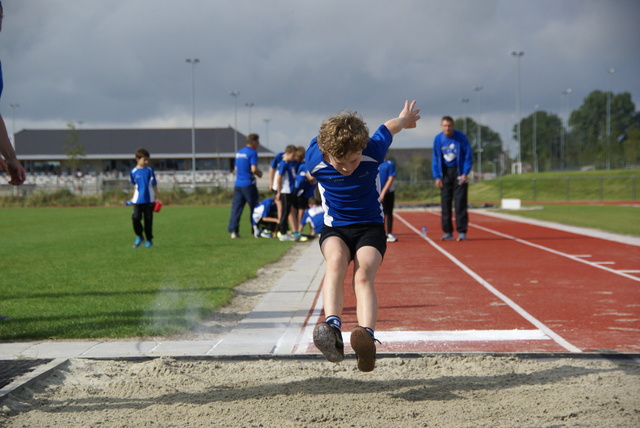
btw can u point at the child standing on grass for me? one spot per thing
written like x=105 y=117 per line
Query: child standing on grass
x=285 y=192
x=345 y=160
x=145 y=195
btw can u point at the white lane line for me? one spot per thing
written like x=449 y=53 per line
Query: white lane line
x=629 y=271
x=546 y=330
x=559 y=253
x=459 y=336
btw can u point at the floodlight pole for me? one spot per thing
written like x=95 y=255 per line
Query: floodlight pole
x=535 y=149
x=611 y=71
x=193 y=63
x=479 y=145
x=564 y=93
x=518 y=55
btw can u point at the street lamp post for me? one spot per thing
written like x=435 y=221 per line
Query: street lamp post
x=235 y=94
x=13 y=124
x=611 y=71
x=249 y=105
x=193 y=63
x=465 y=101
x=518 y=55
x=266 y=121
x=479 y=145
x=535 y=149
x=564 y=94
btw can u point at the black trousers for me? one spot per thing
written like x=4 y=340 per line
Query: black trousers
x=140 y=212
x=287 y=199
x=453 y=193
x=387 y=208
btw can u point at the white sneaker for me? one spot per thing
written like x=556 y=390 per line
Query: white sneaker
x=285 y=237
x=391 y=238
x=234 y=235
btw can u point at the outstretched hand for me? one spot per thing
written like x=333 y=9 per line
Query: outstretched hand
x=409 y=114
x=406 y=119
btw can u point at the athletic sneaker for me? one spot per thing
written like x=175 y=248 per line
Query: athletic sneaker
x=447 y=237
x=285 y=237
x=148 y=244
x=462 y=237
x=391 y=237
x=363 y=344
x=298 y=237
x=266 y=234
x=138 y=242
x=234 y=235
x=328 y=339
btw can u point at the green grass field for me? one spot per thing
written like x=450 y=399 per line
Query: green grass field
x=611 y=218
x=613 y=185
x=72 y=272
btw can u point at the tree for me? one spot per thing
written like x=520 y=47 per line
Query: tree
x=589 y=124
x=73 y=148
x=492 y=153
x=547 y=130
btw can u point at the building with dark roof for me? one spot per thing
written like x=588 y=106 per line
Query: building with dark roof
x=112 y=150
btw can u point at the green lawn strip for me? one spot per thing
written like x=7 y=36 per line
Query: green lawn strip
x=611 y=218
x=72 y=273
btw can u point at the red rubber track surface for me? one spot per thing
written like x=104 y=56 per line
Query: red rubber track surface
x=580 y=291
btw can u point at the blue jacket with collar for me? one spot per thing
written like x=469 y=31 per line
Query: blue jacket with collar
x=457 y=146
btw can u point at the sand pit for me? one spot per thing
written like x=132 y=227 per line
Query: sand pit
x=442 y=390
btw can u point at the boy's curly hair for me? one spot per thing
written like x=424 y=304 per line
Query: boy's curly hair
x=343 y=134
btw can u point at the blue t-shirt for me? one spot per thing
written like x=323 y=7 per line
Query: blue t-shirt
x=351 y=199
x=287 y=170
x=266 y=208
x=387 y=169
x=143 y=179
x=304 y=188
x=315 y=217
x=245 y=158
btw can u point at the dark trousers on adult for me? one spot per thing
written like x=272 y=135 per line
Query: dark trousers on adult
x=143 y=212
x=453 y=193
x=242 y=195
x=388 y=203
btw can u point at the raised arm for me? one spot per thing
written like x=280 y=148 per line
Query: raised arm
x=405 y=120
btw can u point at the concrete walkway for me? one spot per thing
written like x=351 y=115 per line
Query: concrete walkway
x=273 y=327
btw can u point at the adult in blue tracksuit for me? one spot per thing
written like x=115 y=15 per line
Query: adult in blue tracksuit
x=245 y=189
x=451 y=164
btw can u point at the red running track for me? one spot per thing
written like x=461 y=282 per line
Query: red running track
x=512 y=287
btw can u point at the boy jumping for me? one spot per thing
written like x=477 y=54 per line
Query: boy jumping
x=345 y=160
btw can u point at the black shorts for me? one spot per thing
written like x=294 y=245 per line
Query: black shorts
x=356 y=236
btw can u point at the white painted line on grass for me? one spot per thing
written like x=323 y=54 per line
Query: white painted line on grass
x=513 y=305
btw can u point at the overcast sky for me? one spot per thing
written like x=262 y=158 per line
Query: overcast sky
x=121 y=63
